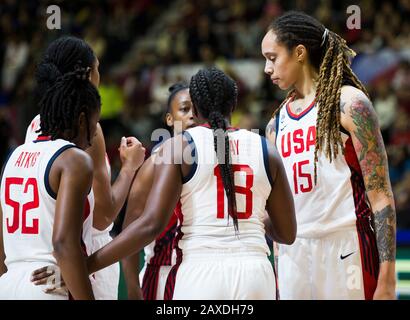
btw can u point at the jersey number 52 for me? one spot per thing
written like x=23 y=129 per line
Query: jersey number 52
x=15 y=224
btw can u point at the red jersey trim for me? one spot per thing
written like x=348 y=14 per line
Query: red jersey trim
x=300 y=115
x=42 y=138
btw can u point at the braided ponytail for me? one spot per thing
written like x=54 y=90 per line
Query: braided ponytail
x=62 y=104
x=214 y=95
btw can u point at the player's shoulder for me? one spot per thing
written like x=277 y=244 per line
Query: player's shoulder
x=196 y=135
x=200 y=129
x=13 y=153
x=171 y=150
x=355 y=106
x=74 y=159
x=254 y=133
x=352 y=98
x=349 y=94
x=19 y=150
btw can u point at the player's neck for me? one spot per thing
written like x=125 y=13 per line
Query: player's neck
x=306 y=85
x=227 y=121
x=80 y=142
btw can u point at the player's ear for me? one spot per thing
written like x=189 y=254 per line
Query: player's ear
x=82 y=121
x=169 y=119
x=300 y=52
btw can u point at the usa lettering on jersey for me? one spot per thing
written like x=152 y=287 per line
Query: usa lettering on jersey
x=298 y=141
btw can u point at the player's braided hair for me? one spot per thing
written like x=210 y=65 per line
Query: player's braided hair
x=330 y=55
x=63 y=55
x=214 y=95
x=63 y=103
x=173 y=90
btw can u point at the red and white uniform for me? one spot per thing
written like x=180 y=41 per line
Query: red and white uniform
x=214 y=262
x=107 y=280
x=32 y=135
x=334 y=255
x=104 y=282
x=159 y=258
x=28 y=206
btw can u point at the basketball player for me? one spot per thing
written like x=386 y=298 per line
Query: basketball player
x=64 y=55
x=44 y=193
x=158 y=254
x=210 y=178
x=328 y=136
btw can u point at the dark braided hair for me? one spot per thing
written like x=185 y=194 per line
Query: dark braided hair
x=63 y=55
x=330 y=56
x=214 y=96
x=63 y=103
x=173 y=90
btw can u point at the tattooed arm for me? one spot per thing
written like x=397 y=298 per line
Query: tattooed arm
x=270 y=131
x=359 y=118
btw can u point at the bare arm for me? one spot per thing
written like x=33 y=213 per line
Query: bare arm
x=270 y=131
x=74 y=168
x=270 y=134
x=359 y=118
x=163 y=197
x=135 y=206
x=110 y=199
x=280 y=205
x=3 y=268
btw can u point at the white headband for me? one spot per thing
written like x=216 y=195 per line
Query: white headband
x=325 y=33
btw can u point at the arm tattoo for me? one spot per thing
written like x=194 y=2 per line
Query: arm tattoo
x=385 y=229
x=370 y=146
x=270 y=128
x=342 y=106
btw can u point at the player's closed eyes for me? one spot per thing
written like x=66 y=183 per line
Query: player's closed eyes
x=185 y=109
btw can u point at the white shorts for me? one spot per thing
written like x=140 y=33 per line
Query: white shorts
x=222 y=275
x=153 y=280
x=106 y=282
x=343 y=265
x=15 y=284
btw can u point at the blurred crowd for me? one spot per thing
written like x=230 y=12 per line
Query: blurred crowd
x=141 y=43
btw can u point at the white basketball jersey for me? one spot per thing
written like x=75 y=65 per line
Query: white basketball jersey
x=28 y=202
x=203 y=217
x=31 y=135
x=338 y=198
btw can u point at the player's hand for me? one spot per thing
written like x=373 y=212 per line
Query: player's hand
x=385 y=291
x=51 y=277
x=132 y=153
